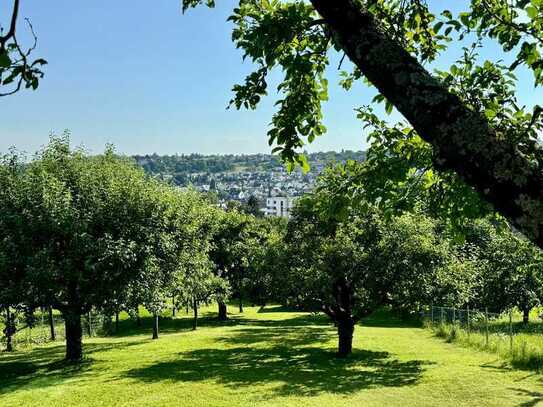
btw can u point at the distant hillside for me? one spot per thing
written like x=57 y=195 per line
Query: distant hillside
x=238 y=177
x=198 y=163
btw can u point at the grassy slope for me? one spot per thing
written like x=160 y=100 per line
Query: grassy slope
x=266 y=358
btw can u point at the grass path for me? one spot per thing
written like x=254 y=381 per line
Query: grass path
x=269 y=358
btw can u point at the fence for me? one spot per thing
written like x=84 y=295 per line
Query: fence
x=505 y=333
x=46 y=327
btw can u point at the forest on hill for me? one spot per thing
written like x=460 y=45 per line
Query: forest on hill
x=179 y=164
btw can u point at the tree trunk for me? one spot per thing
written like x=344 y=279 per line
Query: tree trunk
x=195 y=320
x=89 y=324
x=345 y=330
x=51 y=324
x=222 y=311
x=240 y=304
x=9 y=330
x=155 y=326
x=173 y=307
x=117 y=322
x=526 y=316
x=138 y=319
x=463 y=140
x=74 y=334
x=107 y=324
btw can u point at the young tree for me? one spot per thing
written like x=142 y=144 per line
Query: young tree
x=265 y=279
x=92 y=220
x=233 y=243
x=347 y=260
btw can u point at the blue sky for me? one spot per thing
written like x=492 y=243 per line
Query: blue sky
x=146 y=78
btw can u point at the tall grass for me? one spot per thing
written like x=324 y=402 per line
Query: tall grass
x=523 y=349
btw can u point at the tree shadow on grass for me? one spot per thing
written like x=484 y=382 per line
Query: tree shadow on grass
x=385 y=318
x=535 y=397
x=42 y=367
x=290 y=355
x=304 y=371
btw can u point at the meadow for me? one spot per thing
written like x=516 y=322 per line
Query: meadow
x=265 y=356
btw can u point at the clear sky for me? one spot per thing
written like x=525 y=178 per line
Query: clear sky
x=146 y=78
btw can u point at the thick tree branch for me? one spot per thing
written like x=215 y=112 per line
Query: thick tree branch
x=11 y=33
x=462 y=139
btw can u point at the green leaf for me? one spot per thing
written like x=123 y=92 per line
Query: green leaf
x=531 y=11
x=5 y=60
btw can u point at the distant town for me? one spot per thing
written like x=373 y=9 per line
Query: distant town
x=240 y=178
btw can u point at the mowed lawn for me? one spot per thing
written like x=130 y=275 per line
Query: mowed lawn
x=266 y=357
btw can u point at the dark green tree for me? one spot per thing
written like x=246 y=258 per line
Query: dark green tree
x=95 y=223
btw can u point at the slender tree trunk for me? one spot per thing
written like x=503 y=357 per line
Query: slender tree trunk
x=463 y=140
x=173 y=307
x=107 y=324
x=89 y=323
x=526 y=316
x=240 y=290
x=155 y=326
x=222 y=311
x=138 y=318
x=345 y=330
x=187 y=308
x=116 y=321
x=9 y=330
x=74 y=334
x=195 y=320
x=51 y=324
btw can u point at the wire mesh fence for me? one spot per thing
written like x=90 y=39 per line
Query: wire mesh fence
x=44 y=326
x=503 y=333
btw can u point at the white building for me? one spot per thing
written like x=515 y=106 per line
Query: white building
x=279 y=206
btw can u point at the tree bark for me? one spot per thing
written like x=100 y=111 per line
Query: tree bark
x=89 y=324
x=526 y=316
x=463 y=140
x=9 y=330
x=74 y=334
x=222 y=311
x=345 y=330
x=51 y=324
x=155 y=326
x=195 y=320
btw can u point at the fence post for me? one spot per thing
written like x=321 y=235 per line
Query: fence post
x=511 y=331
x=486 y=326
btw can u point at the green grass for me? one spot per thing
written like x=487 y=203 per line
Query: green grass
x=267 y=357
x=524 y=351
